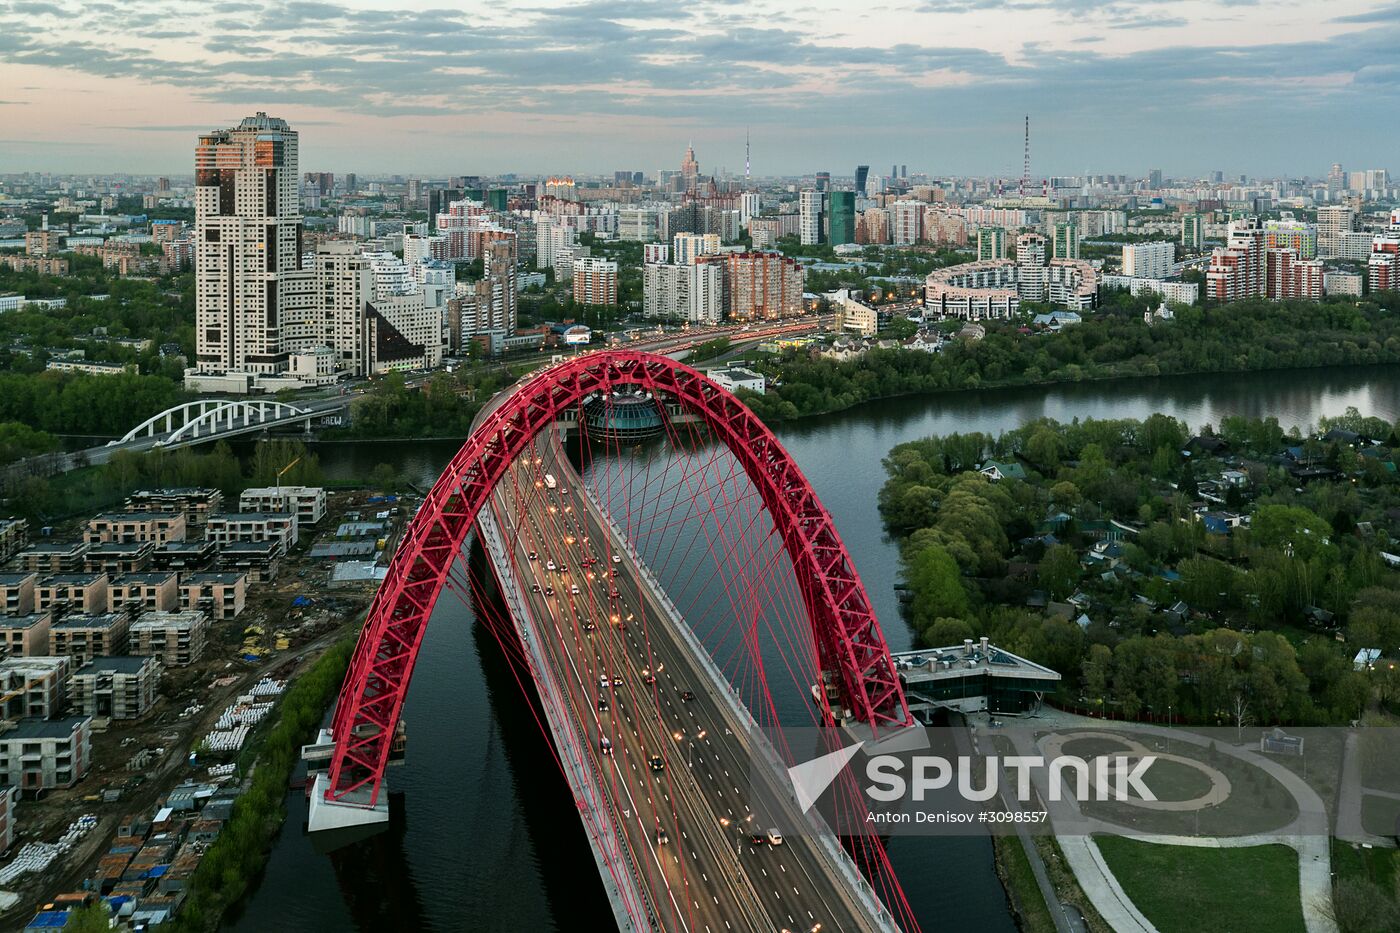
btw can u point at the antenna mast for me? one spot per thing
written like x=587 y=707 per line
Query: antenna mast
x=1026 y=165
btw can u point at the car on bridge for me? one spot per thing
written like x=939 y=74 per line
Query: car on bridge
x=647 y=676
x=550 y=565
x=775 y=838
x=658 y=764
x=602 y=704
x=605 y=745
x=617 y=558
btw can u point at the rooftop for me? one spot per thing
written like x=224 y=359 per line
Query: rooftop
x=72 y=579
x=119 y=664
x=211 y=577
x=45 y=728
x=15 y=579
x=29 y=621
x=968 y=658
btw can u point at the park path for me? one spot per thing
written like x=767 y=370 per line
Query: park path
x=1307 y=835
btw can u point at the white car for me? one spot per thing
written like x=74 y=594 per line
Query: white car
x=775 y=838
x=550 y=566
x=617 y=558
x=573 y=588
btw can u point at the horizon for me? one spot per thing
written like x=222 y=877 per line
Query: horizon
x=1276 y=90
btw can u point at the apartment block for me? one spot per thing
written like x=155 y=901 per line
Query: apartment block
x=159 y=527
x=17 y=593
x=258 y=560
x=34 y=687
x=73 y=592
x=138 y=592
x=122 y=687
x=185 y=556
x=119 y=557
x=221 y=595
x=14 y=534
x=195 y=504
x=54 y=556
x=9 y=796
x=25 y=636
x=280 y=528
x=84 y=637
x=307 y=503
x=40 y=755
x=176 y=638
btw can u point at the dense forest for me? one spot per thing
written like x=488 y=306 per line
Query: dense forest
x=1112 y=342
x=1093 y=556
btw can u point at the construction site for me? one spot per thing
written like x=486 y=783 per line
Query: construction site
x=140 y=654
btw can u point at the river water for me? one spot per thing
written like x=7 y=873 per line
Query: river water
x=490 y=841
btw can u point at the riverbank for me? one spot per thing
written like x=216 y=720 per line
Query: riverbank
x=240 y=852
x=1114 y=343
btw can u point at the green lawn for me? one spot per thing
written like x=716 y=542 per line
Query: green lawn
x=1251 y=890
x=1379 y=814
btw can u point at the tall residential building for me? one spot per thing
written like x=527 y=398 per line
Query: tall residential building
x=1287 y=275
x=1149 y=260
x=862 y=173
x=908 y=223
x=1239 y=268
x=693 y=293
x=843 y=217
x=1291 y=234
x=991 y=243
x=688 y=247
x=636 y=223
x=1383 y=265
x=759 y=285
x=1031 y=277
x=1192 y=231
x=809 y=206
x=750 y=205
x=1333 y=222
x=595 y=281
x=1066 y=243
x=873 y=226
x=248 y=241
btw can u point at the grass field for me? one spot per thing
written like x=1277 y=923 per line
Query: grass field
x=1250 y=890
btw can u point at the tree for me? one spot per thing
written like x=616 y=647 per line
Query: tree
x=948 y=631
x=94 y=918
x=1059 y=571
x=936 y=586
x=1097 y=669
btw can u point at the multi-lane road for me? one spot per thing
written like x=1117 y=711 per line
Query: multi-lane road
x=671 y=757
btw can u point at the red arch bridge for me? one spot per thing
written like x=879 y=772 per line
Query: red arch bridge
x=673 y=596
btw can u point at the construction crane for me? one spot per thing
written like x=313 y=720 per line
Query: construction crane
x=283 y=471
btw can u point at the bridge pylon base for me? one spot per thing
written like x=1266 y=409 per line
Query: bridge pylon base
x=332 y=824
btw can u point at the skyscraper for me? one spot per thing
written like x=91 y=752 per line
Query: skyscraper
x=862 y=173
x=248 y=241
x=991 y=243
x=1192 y=231
x=843 y=217
x=690 y=169
x=809 y=207
x=823 y=181
x=1066 y=243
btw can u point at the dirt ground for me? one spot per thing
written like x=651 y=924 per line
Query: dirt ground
x=168 y=733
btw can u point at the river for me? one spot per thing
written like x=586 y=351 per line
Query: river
x=490 y=841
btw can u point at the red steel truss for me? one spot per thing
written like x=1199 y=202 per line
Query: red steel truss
x=847 y=635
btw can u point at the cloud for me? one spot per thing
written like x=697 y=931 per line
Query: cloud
x=719 y=64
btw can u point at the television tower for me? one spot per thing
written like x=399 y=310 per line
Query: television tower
x=1026 y=165
x=746 y=154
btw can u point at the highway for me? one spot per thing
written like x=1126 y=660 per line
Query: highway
x=632 y=681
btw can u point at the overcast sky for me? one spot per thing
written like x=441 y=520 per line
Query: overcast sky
x=1280 y=87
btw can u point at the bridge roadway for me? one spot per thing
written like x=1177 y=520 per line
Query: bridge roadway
x=703 y=874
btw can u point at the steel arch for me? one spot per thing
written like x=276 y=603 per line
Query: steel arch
x=843 y=623
x=179 y=418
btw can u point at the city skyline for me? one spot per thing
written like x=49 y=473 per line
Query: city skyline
x=1276 y=90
